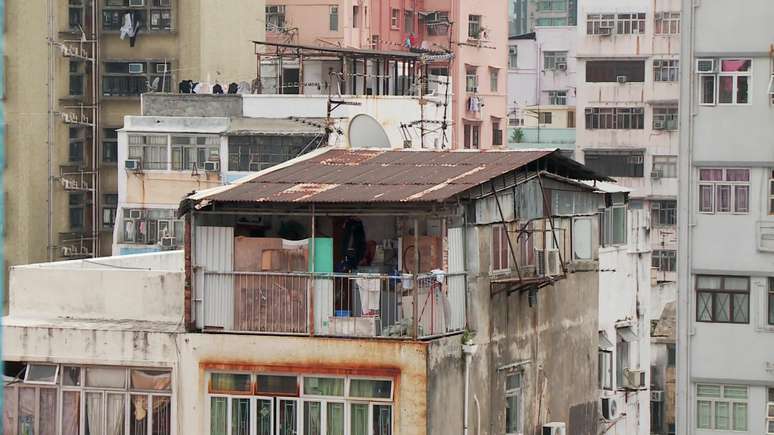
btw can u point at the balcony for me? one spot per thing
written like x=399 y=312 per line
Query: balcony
x=335 y=304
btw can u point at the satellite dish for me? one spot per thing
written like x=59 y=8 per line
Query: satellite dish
x=365 y=132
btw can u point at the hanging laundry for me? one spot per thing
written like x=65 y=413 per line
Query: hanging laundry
x=217 y=89
x=257 y=87
x=474 y=104
x=244 y=88
x=203 y=88
x=232 y=88
x=130 y=27
x=185 y=87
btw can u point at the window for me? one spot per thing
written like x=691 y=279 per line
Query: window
x=550 y=21
x=545 y=117
x=605 y=366
x=333 y=19
x=724 y=190
x=621 y=357
x=600 y=24
x=667 y=23
x=150 y=149
x=581 y=238
x=256 y=153
x=615 y=118
x=275 y=18
x=109 y=145
x=664 y=212
x=664 y=167
x=630 y=23
x=513 y=57
x=666 y=70
x=77 y=71
x=613 y=226
x=722 y=299
x=472 y=133
x=124 y=79
x=408 y=21
x=77 y=137
x=616 y=163
x=500 y=248
x=324 y=404
x=497 y=132
x=771 y=307
x=570 y=117
x=190 y=152
x=552 y=5
x=770 y=412
x=730 y=85
x=721 y=407
x=611 y=71
x=494 y=74
x=159 y=11
x=355 y=16
x=109 y=204
x=150 y=226
x=90 y=408
x=665 y=118
x=671 y=355
x=75 y=15
x=514 y=400
x=554 y=60
x=77 y=204
x=471 y=80
x=474 y=26
x=395 y=19
x=771 y=191
x=557 y=98
x=664 y=260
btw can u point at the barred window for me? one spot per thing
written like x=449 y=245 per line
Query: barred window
x=633 y=23
x=615 y=163
x=615 y=118
x=666 y=70
x=665 y=118
x=667 y=23
x=600 y=24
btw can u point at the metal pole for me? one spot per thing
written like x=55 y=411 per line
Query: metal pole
x=416 y=280
x=310 y=285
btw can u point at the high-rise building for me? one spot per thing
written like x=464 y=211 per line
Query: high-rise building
x=74 y=69
x=525 y=15
x=726 y=220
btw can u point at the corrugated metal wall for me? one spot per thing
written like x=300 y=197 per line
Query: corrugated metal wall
x=214 y=252
x=456 y=283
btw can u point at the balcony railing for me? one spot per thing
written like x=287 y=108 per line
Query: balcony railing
x=329 y=304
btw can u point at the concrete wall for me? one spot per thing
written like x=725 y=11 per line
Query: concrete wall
x=201 y=105
x=446 y=389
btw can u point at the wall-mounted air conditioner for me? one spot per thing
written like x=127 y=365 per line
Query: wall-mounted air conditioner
x=605 y=30
x=132 y=164
x=212 y=166
x=621 y=79
x=136 y=3
x=656 y=396
x=609 y=408
x=633 y=379
x=705 y=66
x=554 y=428
x=659 y=124
x=656 y=174
x=136 y=213
x=561 y=66
x=167 y=242
x=136 y=68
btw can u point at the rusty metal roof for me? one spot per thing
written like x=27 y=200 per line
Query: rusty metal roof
x=377 y=175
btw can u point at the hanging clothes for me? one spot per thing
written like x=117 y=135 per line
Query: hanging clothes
x=244 y=88
x=185 y=87
x=474 y=104
x=127 y=28
x=257 y=87
x=232 y=88
x=217 y=89
x=203 y=88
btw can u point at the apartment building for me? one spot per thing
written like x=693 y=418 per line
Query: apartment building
x=442 y=306
x=726 y=307
x=525 y=15
x=72 y=75
x=470 y=39
x=541 y=89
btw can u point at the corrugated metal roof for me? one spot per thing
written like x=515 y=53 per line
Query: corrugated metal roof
x=370 y=175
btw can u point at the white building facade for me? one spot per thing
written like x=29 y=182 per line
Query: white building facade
x=726 y=288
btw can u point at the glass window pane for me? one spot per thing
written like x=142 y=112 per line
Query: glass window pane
x=722 y=417
x=264 y=416
x=160 y=380
x=708 y=282
x=703 y=414
x=138 y=415
x=94 y=412
x=162 y=415
x=735 y=392
x=115 y=414
x=287 y=421
x=512 y=414
x=105 y=377
x=741 y=307
x=725 y=89
x=71 y=376
x=335 y=419
x=513 y=381
x=730 y=283
x=741 y=199
x=704 y=307
x=312 y=418
x=277 y=385
x=323 y=386
x=740 y=416
x=230 y=382
x=218 y=412
x=71 y=412
x=240 y=416
x=358 y=414
x=370 y=388
x=42 y=373
x=708 y=390
x=382 y=420
x=722 y=307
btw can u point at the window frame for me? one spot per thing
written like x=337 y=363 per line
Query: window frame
x=275 y=20
x=666 y=164
x=395 y=19
x=109 y=207
x=595 y=22
x=494 y=78
x=770 y=305
x=660 y=257
x=149 y=8
x=663 y=213
x=557 y=98
x=723 y=183
x=722 y=290
x=666 y=70
x=666 y=20
x=605 y=371
x=109 y=141
x=633 y=166
x=474 y=26
x=552 y=59
x=770 y=196
x=545 y=117
x=513 y=57
x=608 y=228
x=333 y=14
x=471 y=80
x=149 y=74
x=722 y=398
x=735 y=75
x=630 y=23
x=615 y=118
x=668 y=115
x=518 y=393
x=500 y=233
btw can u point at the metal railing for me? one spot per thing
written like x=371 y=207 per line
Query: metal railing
x=333 y=304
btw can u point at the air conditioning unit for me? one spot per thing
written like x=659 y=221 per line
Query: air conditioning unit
x=161 y=68
x=704 y=66
x=167 y=242
x=659 y=124
x=605 y=31
x=622 y=79
x=136 y=213
x=136 y=3
x=132 y=164
x=548 y=263
x=165 y=3
x=136 y=68
x=609 y=408
x=212 y=166
x=561 y=66
x=634 y=379
x=277 y=9
x=656 y=174
x=554 y=428
x=656 y=396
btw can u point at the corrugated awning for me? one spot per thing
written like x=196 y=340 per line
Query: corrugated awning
x=276 y=126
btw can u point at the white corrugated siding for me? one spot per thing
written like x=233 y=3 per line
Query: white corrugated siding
x=456 y=283
x=214 y=252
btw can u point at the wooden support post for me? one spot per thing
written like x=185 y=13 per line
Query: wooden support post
x=300 y=73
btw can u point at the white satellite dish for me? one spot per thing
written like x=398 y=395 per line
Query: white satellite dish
x=365 y=132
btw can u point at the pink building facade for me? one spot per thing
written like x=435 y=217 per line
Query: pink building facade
x=476 y=32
